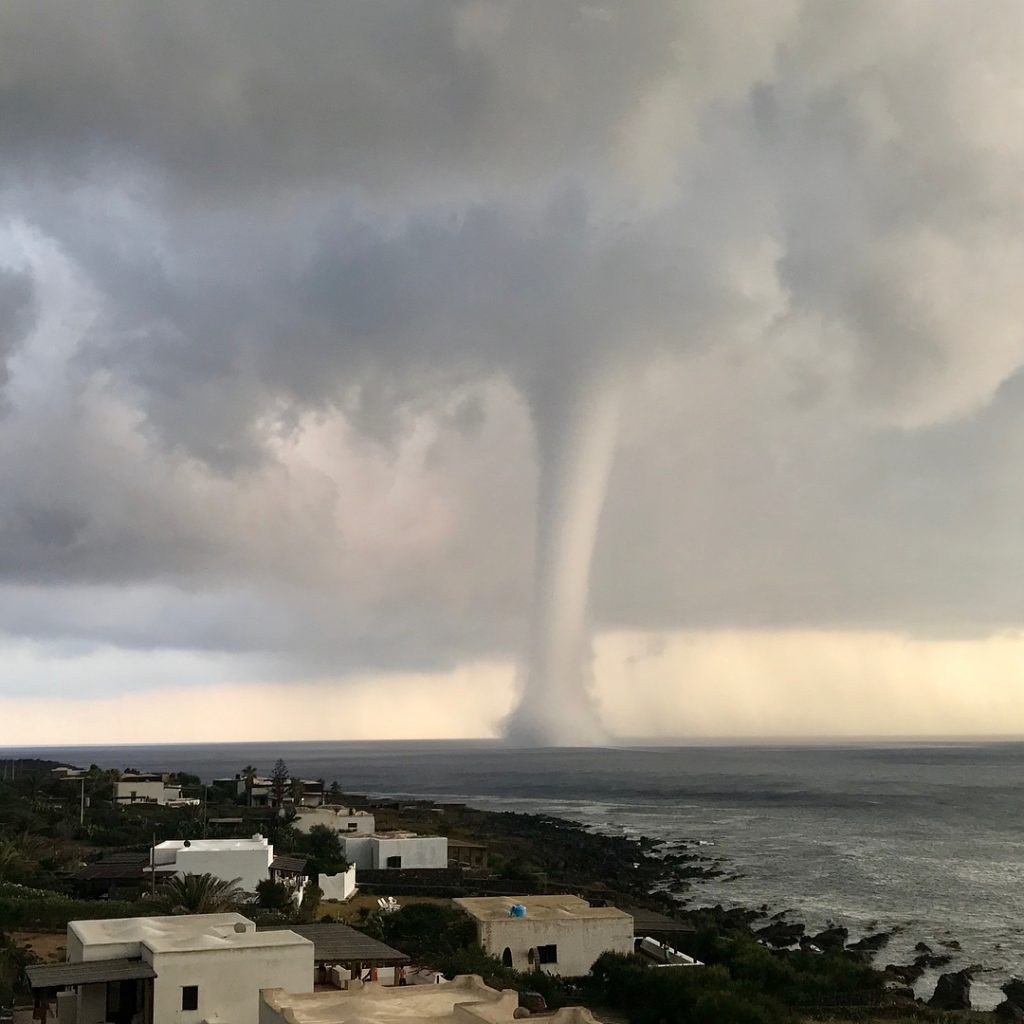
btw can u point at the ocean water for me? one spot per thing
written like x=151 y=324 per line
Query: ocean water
x=926 y=838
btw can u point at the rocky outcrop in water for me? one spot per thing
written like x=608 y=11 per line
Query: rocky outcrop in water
x=1012 y=1007
x=780 y=934
x=870 y=943
x=904 y=974
x=930 y=961
x=953 y=991
x=831 y=940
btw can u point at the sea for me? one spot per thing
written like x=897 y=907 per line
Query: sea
x=926 y=839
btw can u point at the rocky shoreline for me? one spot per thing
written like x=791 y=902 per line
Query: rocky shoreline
x=669 y=874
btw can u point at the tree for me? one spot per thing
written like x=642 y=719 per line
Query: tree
x=427 y=932
x=312 y=894
x=334 y=794
x=14 y=958
x=274 y=896
x=323 y=845
x=20 y=857
x=279 y=782
x=249 y=774
x=199 y=894
x=298 y=791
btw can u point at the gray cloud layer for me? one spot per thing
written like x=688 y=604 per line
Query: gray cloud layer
x=305 y=277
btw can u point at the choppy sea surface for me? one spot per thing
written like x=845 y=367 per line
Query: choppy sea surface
x=926 y=838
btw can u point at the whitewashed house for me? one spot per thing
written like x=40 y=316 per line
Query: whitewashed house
x=259 y=790
x=346 y=820
x=251 y=861
x=555 y=934
x=379 y=850
x=169 y=970
x=146 y=788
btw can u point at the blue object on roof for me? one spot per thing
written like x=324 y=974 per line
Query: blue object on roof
x=517 y=910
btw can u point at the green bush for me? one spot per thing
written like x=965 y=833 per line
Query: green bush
x=49 y=910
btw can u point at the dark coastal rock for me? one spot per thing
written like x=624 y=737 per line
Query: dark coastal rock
x=922 y=947
x=831 y=940
x=780 y=934
x=953 y=992
x=1012 y=1007
x=906 y=974
x=871 y=943
x=734 y=919
x=929 y=961
x=951 y=944
x=901 y=992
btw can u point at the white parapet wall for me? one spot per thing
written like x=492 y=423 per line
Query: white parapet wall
x=340 y=886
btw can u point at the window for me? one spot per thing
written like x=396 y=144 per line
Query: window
x=394 y=862
x=352 y=826
x=190 y=997
x=506 y=957
x=547 y=954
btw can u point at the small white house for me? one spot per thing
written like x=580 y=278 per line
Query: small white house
x=556 y=934
x=377 y=850
x=248 y=860
x=146 y=788
x=251 y=861
x=346 y=820
x=170 y=970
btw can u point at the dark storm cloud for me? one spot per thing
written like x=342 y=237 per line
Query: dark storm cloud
x=307 y=278
x=17 y=314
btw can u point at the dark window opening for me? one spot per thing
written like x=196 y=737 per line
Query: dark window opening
x=394 y=862
x=547 y=954
x=506 y=957
x=352 y=826
x=190 y=997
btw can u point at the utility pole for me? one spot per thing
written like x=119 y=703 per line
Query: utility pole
x=81 y=808
x=152 y=866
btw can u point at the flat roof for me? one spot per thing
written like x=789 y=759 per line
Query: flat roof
x=215 y=845
x=393 y=834
x=179 y=934
x=378 y=1004
x=538 y=908
x=88 y=971
x=339 y=810
x=340 y=944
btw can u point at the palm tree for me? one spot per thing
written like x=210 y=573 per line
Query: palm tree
x=19 y=856
x=199 y=894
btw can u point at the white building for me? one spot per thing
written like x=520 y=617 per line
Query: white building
x=258 y=790
x=464 y=1000
x=376 y=850
x=251 y=861
x=341 y=819
x=341 y=886
x=170 y=970
x=556 y=934
x=146 y=788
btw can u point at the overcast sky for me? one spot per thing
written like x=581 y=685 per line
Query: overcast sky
x=285 y=291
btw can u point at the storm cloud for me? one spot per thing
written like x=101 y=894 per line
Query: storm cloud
x=292 y=301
